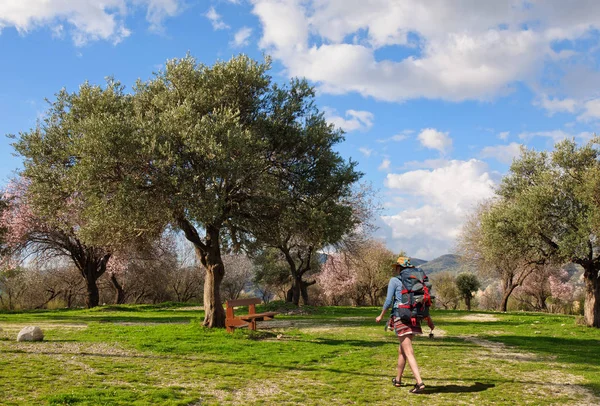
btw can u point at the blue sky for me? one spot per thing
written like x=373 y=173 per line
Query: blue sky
x=436 y=97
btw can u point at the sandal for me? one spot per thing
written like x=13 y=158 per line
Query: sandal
x=397 y=383
x=419 y=388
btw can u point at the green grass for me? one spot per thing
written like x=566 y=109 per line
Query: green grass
x=140 y=355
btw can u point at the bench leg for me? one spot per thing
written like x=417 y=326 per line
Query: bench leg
x=252 y=325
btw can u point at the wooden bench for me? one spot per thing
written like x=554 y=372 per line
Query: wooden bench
x=245 y=320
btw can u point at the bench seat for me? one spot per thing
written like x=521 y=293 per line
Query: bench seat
x=245 y=320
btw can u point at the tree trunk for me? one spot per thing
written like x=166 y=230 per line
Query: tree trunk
x=209 y=253
x=295 y=291
x=119 y=292
x=507 y=289
x=468 y=301
x=304 y=292
x=214 y=314
x=591 y=308
x=93 y=296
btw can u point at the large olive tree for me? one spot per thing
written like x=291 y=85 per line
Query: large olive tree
x=215 y=151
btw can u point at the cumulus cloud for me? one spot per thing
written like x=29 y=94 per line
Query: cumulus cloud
x=591 y=111
x=502 y=153
x=241 y=37
x=215 y=19
x=458 y=51
x=85 y=20
x=556 y=105
x=434 y=139
x=436 y=203
x=353 y=120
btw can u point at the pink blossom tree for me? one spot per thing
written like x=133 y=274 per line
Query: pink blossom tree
x=337 y=278
x=28 y=233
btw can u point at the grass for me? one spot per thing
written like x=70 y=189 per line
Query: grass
x=140 y=355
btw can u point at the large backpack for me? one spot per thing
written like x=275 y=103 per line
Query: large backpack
x=416 y=298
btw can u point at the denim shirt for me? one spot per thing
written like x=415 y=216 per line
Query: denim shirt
x=394 y=290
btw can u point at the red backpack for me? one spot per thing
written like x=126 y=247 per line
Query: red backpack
x=416 y=298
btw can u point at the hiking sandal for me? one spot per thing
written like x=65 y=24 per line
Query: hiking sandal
x=397 y=383
x=418 y=388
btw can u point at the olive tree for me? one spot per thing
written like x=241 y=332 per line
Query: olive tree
x=215 y=151
x=487 y=249
x=547 y=211
x=467 y=284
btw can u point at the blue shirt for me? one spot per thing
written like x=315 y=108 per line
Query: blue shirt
x=394 y=290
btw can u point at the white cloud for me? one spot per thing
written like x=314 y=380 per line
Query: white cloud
x=434 y=139
x=458 y=51
x=354 y=120
x=385 y=165
x=159 y=10
x=504 y=135
x=84 y=20
x=215 y=19
x=591 y=111
x=556 y=105
x=437 y=203
x=426 y=164
x=502 y=153
x=366 y=151
x=398 y=137
x=240 y=39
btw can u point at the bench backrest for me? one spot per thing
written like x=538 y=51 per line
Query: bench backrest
x=243 y=302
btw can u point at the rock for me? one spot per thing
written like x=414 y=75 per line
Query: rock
x=31 y=333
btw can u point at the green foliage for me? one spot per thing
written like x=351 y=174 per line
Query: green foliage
x=217 y=145
x=467 y=283
x=272 y=269
x=444 y=288
x=547 y=212
x=219 y=150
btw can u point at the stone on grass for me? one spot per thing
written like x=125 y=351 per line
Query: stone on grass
x=31 y=333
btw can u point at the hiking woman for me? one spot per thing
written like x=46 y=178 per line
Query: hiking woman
x=404 y=331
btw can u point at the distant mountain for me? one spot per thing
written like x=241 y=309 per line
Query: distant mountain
x=448 y=262
x=417 y=261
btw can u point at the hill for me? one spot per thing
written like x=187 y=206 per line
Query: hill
x=448 y=262
x=417 y=261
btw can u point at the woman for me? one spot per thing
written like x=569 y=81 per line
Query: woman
x=404 y=331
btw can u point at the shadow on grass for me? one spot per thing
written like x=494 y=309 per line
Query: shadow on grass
x=476 y=387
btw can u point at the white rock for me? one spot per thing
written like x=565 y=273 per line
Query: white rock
x=31 y=333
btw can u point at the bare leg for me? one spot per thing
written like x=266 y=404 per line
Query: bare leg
x=407 y=350
x=401 y=363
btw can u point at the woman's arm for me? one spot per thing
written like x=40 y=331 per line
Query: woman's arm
x=392 y=285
